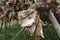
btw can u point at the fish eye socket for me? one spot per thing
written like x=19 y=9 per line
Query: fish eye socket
x=10 y=4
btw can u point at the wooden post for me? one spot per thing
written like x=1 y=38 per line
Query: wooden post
x=5 y=31
x=54 y=22
x=1 y=24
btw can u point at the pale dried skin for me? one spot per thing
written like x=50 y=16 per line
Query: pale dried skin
x=11 y=16
x=27 y=1
x=48 y=1
x=58 y=9
x=57 y=14
x=38 y=5
x=39 y=30
x=31 y=29
x=12 y=1
x=2 y=16
x=38 y=1
x=23 y=14
x=29 y=20
x=58 y=1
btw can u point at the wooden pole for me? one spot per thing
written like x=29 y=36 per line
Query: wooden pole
x=5 y=31
x=54 y=22
x=1 y=24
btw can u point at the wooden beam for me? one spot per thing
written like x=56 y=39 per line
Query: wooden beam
x=5 y=31
x=54 y=22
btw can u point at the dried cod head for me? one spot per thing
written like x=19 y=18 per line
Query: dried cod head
x=31 y=21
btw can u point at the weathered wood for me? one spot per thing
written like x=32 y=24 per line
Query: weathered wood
x=1 y=24
x=5 y=31
x=54 y=22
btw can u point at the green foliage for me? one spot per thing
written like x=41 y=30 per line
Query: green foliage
x=49 y=33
